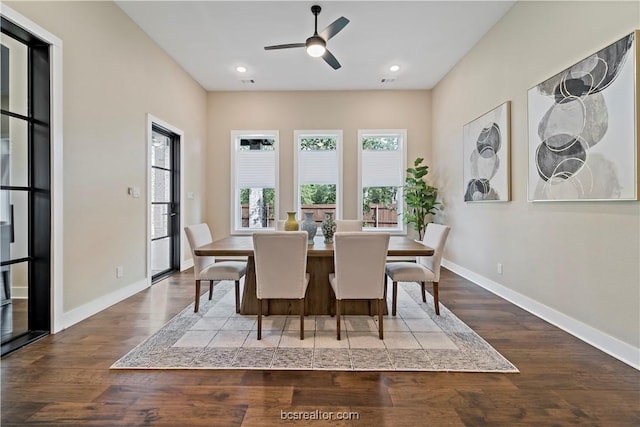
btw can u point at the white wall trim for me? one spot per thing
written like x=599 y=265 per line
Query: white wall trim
x=97 y=305
x=186 y=264
x=150 y=121
x=19 y=292
x=598 y=339
x=57 y=265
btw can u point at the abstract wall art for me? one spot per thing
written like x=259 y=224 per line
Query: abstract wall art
x=485 y=143
x=582 y=129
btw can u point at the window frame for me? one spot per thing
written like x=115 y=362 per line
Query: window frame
x=297 y=134
x=401 y=229
x=236 y=211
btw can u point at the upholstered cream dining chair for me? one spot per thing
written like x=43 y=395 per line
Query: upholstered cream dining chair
x=359 y=260
x=206 y=267
x=348 y=225
x=425 y=269
x=281 y=269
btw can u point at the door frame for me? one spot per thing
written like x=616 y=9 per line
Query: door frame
x=56 y=146
x=150 y=122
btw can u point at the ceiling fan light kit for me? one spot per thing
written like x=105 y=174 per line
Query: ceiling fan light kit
x=316 y=45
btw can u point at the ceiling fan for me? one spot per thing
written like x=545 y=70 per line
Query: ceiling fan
x=317 y=44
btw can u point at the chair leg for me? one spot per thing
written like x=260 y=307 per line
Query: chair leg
x=302 y=319
x=259 y=319
x=338 y=308
x=385 y=286
x=237 y=296
x=197 y=303
x=394 y=303
x=436 y=303
x=380 y=317
x=424 y=292
x=332 y=304
x=210 y=289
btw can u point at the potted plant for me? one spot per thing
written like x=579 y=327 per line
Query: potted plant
x=420 y=197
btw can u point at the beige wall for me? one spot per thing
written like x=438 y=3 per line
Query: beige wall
x=578 y=258
x=114 y=74
x=289 y=111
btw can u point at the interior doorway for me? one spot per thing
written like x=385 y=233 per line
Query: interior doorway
x=25 y=187
x=164 y=201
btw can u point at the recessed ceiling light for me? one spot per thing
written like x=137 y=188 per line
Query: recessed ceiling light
x=241 y=69
x=394 y=68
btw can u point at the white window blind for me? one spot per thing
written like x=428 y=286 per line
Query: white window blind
x=382 y=168
x=318 y=167
x=256 y=168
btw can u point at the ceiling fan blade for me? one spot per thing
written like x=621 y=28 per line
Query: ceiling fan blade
x=284 y=46
x=331 y=60
x=334 y=28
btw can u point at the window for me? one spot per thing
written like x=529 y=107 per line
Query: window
x=381 y=165
x=254 y=180
x=318 y=173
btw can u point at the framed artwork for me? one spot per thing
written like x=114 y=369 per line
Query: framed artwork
x=485 y=144
x=583 y=128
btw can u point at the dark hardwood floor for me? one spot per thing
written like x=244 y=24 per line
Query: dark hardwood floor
x=64 y=379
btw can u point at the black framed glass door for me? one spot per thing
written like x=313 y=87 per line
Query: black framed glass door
x=25 y=187
x=165 y=202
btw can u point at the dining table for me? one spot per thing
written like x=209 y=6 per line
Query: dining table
x=319 y=298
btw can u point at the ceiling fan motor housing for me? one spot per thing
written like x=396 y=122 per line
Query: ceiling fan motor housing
x=316 y=40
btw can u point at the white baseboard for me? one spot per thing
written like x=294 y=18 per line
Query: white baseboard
x=19 y=292
x=78 y=314
x=184 y=265
x=604 y=342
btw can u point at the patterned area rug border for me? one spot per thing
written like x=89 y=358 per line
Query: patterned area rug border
x=218 y=338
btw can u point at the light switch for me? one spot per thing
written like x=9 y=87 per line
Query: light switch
x=190 y=195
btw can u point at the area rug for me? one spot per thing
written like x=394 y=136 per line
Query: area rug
x=414 y=340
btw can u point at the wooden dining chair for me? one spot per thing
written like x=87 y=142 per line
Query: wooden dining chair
x=359 y=260
x=425 y=269
x=206 y=268
x=281 y=269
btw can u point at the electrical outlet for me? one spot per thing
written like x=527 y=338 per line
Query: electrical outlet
x=133 y=192
x=499 y=268
x=119 y=271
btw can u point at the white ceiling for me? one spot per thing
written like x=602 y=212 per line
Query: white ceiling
x=210 y=38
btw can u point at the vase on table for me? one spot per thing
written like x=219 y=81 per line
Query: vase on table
x=291 y=224
x=328 y=227
x=309 y=225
